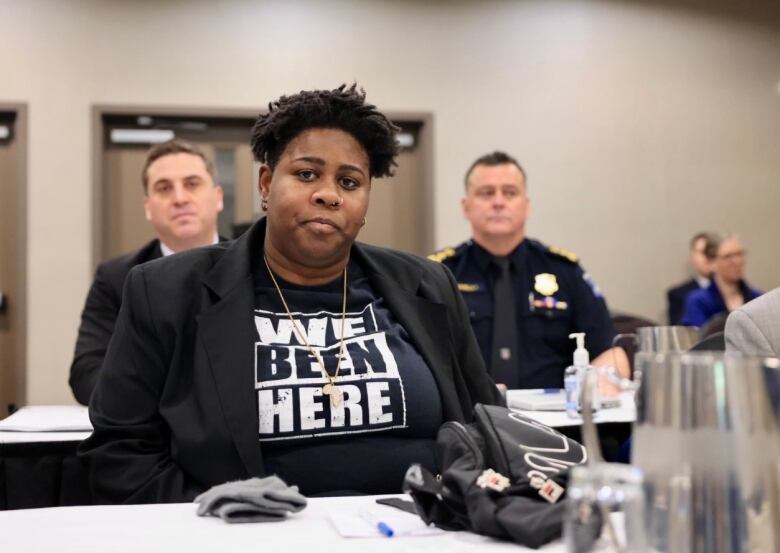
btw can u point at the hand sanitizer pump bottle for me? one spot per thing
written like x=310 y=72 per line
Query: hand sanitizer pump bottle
x=574 y=377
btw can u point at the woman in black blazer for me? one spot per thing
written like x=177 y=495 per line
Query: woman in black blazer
x=293 y=350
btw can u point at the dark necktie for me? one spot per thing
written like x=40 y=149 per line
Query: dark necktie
x=505 y=365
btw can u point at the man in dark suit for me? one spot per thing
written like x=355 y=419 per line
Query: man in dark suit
x=182 y=202
x=704 y=248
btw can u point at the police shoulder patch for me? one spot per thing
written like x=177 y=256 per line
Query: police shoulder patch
x=566 y=254
x=441 y=255
x=593 y=286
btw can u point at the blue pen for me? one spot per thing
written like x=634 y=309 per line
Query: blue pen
x=382 y=527
x=551 y=390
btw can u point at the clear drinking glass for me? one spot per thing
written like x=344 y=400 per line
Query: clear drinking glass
x=707 y=439
x=605 y=509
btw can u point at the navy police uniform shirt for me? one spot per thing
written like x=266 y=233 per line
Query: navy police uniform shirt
x=554 y=297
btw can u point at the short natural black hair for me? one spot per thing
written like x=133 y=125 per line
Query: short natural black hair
x=170 y=147
x=343 y=108
x=492 y=159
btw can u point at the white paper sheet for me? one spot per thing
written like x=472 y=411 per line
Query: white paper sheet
x=48 y=418
x=356 y=524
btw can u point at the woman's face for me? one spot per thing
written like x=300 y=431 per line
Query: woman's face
x=730 y=261
x=317 y=197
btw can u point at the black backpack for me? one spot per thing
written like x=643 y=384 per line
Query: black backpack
x=503 y=475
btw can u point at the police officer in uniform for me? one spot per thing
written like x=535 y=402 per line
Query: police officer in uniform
x=524 y=298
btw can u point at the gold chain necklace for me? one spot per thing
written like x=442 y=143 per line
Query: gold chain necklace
x=330 y=388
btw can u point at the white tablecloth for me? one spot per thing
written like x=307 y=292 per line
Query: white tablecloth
x=46 y=423
x=557 y=419
x=174 y=528
x=36 y=437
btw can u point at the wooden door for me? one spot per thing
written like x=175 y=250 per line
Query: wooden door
x=12 y=262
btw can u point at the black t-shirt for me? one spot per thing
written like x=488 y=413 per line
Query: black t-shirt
x=391 y=409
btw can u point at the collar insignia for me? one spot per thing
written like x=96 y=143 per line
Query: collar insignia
x=546 y=284
x=466 y=287
x=566 y=254
x=441 y=255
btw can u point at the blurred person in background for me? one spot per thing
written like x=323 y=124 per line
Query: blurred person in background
x=524 y=297
x=182 y=201
x=703 y=249
x=728 y=289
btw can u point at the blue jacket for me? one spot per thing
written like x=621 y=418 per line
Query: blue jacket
x=704 y=304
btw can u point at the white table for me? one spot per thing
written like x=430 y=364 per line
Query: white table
x=56 y=430
x=625 y=413
x=37 y=437
x=38 y=465
x=46 y=423
x=175 y=527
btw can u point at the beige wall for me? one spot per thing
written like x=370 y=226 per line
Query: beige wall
x=638 y=123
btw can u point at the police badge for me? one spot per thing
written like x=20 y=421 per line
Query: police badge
x=546 y=284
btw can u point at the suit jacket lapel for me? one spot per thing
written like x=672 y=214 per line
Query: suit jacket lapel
x=425 y=321
x=227 y=332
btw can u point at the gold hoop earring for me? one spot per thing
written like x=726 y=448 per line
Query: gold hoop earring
x=264 y=204
x=364 y=222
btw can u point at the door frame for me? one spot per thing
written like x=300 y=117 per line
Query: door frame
x=98 y=146
x=21 y=145
x=427 y=150
x=99 y=110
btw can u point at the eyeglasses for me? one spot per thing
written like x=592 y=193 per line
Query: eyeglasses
x=734 y=256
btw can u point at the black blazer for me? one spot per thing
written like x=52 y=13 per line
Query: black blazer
x=676 y=300
x=174 y=409
x=99 y=317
